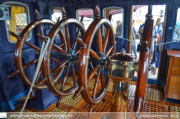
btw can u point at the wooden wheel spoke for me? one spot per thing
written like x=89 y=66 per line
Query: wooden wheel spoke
x=33 y=46
x=40 y=29
x=77 y=35
x=60 y=46
x=109 y=51
x=91 y=75
x=79 y=40
x=105 y=40
x=67 y=37
x=59 y=67
x=13 y=73
x=56 y=60
x=73 y=74
x=99 y=40
x=102 y=79
x=58 y=102
x=24 y=67
x=41 y=81
x=38 y=76
x=59 y=49
x=93 y=54
x=110 y=17
x=37 y=14
x=96 y=85
x=57 y=74
x=75 y=41
x=112 y=56
x=78 y=51
x=41 y=37
x=65 y=78
x=31 y=63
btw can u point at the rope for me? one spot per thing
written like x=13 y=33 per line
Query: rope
x=43 y=50
x=177 y=40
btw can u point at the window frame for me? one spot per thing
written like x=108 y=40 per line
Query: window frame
x=173 y=39
x=12 y=3
x=114 y=8
x=77 y=15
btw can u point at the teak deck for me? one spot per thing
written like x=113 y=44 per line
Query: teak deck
x=153 y=103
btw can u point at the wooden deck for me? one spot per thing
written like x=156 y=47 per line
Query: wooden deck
x=154 y=103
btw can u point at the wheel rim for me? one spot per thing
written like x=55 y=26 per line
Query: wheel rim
x=69 y=54
x=19 y=50
x=84 y=60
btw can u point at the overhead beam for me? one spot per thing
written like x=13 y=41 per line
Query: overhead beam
x=58 y=4
x=141 y=1
x=112 y=3
x=62 y=1
x=75 y=2
x=89 y=5
x=96 y=1
x=84 y=2
x=25 y=0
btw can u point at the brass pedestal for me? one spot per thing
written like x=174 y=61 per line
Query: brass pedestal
x=121 y=70
x=119 y=101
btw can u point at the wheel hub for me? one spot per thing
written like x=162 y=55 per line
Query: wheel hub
x=72 y=57
x=102 y=60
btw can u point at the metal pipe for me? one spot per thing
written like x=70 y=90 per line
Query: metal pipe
x=119 y=101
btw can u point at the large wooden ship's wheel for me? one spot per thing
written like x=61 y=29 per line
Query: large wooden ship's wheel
x=67 y=59
x=106 y=49
x=40 y=80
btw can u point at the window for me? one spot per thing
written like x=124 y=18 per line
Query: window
x=177 y=26
x=20 y=19
x=88 y=16
x=117 y=19
x=57 y=14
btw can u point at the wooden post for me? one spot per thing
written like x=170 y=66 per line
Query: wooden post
x=162 y=46
x=130 y=29
x=144 y=60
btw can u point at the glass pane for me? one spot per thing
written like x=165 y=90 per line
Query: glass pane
x=18 y=22
x=56 y=14
x=139 y=18
x=116 y=21
x=177 y=27
x=88 y=17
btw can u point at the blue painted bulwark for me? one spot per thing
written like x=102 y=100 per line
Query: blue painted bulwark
x=173 y=100
x=11 y=103
x=12 y=89
x=151 y=81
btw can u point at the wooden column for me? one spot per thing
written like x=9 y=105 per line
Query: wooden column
x=107 y=13
x=144 y=60
x=130 y=29
x=162 y=46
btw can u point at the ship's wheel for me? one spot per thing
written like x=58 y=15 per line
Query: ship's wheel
x=106 y=49
x=22 y=40
x=67 y=59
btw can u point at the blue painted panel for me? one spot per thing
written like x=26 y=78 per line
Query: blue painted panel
x=10 y=104
x=150 y=81
x=173 y=100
